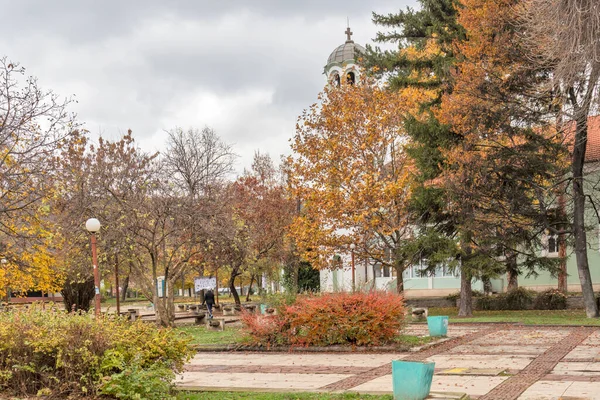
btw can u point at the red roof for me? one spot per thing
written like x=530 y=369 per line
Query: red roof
x=592 y=150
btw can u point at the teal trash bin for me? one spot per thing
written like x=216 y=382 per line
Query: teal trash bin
x=263 y=308
x=411 y=380
x=438 y=326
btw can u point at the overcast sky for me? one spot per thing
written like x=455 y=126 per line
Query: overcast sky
x=246 y=68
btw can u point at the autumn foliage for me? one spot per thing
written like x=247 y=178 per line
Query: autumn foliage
x=361 y=319
x=63 y=355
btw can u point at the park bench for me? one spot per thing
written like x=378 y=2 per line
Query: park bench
x=228 y=310
x=215 y=324
x=198 y=317
x=419 y=313
x=250 y=308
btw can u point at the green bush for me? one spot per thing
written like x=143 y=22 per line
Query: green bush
x=137 y=382
x=360 y=319
x=488 y=303
x=453 y=297
x=60 y=354
x=517 y=299
x=551 y=299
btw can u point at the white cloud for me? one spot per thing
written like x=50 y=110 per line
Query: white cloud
x=247 y=69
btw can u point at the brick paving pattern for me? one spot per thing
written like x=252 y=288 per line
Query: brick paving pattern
x=383 y=370
x=540 y=367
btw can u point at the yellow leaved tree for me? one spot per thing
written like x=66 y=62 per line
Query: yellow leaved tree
x=352 y=176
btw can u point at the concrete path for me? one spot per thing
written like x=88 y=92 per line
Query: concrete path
x=488 y=362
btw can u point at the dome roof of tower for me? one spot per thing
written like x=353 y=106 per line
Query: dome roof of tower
x=345 y=52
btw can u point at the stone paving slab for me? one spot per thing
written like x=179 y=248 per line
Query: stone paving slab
x=295 y=359
x=535 y=371
x=524 y=337
x=592 y=340
x=545 y=391
x=484 y=362
x=191 y=380
x=531 y=350
x=471 y=385
x=584 y=352
x=577 y=368
x=565 y=390
x=277 y=369
x=472 y=371
x=544 y=363
x=453 y=331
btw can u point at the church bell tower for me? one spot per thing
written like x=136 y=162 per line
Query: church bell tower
x=341 y=65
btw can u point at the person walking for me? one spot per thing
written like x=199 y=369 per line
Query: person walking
x=209 y=299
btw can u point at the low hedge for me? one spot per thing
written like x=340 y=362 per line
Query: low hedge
x=361 y=319
x=62 y=355
x=524 y=299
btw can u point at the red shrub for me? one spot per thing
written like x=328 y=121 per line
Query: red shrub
x=264 y=330
x=361 y=319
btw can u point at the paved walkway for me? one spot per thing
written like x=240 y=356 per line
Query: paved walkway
x=487 y=362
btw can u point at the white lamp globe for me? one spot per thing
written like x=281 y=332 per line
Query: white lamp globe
x=92 y=225
x=352 y=246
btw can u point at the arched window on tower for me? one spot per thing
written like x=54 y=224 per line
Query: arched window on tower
x=350 y=78
x=335 y=79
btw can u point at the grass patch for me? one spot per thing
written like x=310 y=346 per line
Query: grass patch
x=278 y=396
x=233 y=335
x=414 y=341
x=527 y=317
x=202 y=336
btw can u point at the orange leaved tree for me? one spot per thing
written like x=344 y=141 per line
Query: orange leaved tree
x=352 y=176
x=502 y=177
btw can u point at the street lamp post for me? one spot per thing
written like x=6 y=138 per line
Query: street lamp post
x=352 y=247
x=93 y=226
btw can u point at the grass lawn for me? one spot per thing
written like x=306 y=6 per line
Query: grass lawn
x=233 y=335
x=278 y=396
x=203 y=336
x=528 y=317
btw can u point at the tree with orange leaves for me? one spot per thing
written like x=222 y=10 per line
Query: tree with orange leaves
x=353 y=178
x=503 y=175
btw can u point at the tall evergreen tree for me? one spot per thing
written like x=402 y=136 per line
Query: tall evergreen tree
x=480 y=145
x=425 y=60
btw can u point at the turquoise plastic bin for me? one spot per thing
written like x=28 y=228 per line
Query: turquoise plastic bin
x=263 y=308
x=411 y=380
x=438 y=326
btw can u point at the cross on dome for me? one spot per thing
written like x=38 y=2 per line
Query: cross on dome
x=348 y=33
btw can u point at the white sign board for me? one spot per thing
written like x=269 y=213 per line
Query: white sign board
x=204 y=283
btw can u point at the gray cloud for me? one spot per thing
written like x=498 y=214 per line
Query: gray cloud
x=245 y=68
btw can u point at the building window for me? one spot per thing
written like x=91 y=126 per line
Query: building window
x=382 y=271
x=550 y=245
x=350 y=78
x=417 y=270
x=386 y=271
x=335 y=79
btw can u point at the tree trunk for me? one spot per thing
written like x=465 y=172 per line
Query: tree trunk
x=126 y=282
x=562 y=248
x=233 y=291
x=250 y=287
x=399 y=280
x=399 y=266
x=170 y=301
x=465 y=303
x=487 y=286
x=512 y=272
x=583 y=268
x=562 y=254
